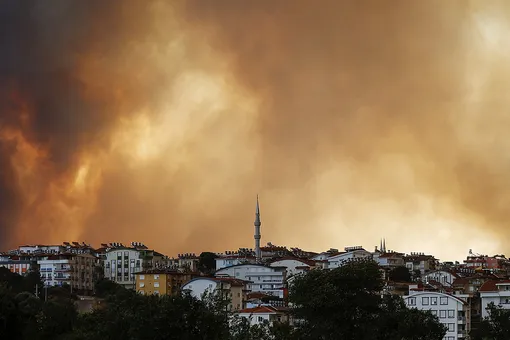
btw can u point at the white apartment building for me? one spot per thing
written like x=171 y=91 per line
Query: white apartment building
x=497 y=292
x=122 y=263
x=443 y=277
x=293 y=265
x=268 y=280
x=350 y=254
x=452 y=311
x=225 y=261
x=75 y=270
x=40 y=248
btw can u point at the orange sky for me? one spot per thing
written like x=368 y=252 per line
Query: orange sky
x=352 y=121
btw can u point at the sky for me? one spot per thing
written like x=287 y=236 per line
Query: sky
x=160 y=121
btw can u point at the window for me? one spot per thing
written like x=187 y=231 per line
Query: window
x=433 y=300
x=156 y=277
x=450 y=338
x=412 y=301
x=444 y=300
x=142 y=284
x=156 y=292
x=434 y=312
x=451 y=314
x=260 y=319
x=425 y=301
x=451 y=327
x=442 y=314
x=142 y=277
x=156 y=284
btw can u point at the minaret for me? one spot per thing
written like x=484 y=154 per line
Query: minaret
x=384 y=244
x=380 y=247
x=257 y=224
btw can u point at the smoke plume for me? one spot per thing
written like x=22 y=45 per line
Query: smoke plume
x=159 y=122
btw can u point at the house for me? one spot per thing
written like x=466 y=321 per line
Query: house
x=451 y=310
x=185 y=262
x=161 y=281
x=350 y=254
x=389 y=259
x=419 y=262
x=265 y=279
x=497 y=292
x=234 y=289
x=446 y=278
x=293 y=265
x=234 y=258
x=122 y=263
x=261 y=314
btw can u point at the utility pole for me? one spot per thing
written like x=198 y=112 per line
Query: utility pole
x=37 y=290
x=45 y=293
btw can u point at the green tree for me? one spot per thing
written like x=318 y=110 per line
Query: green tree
x=207 y=262
x=11 y=280
x=346 y=303
x=31 y=280
x=494 y=327
x=400 y=274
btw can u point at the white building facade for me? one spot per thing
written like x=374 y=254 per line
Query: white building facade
x=268 y=280
x=452 y=311
x=496 y=292
x=441 y=276
x=350 y=254
x=293 y=265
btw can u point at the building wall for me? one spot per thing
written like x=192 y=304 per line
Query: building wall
x=151 y=284
x=338 y=260
x=198 y=287
x=121 y=265
x=441 y=276
x=55 y=272
x=291 y=265
x=451 y=311
x=263 y=279
x=18 y=267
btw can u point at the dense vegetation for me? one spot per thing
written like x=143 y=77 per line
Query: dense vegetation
x=339 y=304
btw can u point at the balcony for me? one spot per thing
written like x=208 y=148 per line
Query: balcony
x=461 y=333
x=461 y=319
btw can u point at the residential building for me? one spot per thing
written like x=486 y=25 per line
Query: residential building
x=260 y=314
x=389 y=259
x=497 y=292
x=350 y=254
x=185 y=263
x=451 y=310
x=233 y=289
x=446 y=278
x=233 y=258
x=269 y=280
x=122 y=263
x=419 y=262
x=293 y=265
x=75 y=270
x=161 y=281
x=17 y=265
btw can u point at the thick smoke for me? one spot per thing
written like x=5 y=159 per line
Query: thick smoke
x=137 y=120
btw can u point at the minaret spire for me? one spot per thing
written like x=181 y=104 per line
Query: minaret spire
x=384 y=244
x=257 y=223
x=381 y=246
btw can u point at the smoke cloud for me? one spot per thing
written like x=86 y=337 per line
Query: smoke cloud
x=156 y=122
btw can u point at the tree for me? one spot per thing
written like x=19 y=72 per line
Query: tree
x=207 y=262
x=346 y=303
x=494 y=327
x=400 y=274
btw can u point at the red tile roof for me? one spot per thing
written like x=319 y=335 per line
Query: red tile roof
x=491 y=286
x=263 y=310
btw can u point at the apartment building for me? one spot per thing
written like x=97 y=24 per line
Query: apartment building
x=75 y=270
x=122 y=263
x=233 y=289
x=293 y=265
x=162 y=281
x=260 y=314
x=265 y=279
x=420 y=262
x=451 y=310
x=349 y=254
x=497 y=292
